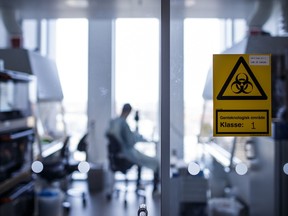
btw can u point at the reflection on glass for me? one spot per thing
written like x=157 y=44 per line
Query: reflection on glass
x=50 y=121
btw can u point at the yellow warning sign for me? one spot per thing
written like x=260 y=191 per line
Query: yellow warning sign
x=242 y=95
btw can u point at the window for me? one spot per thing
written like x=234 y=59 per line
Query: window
x=137 y=78
x=137 y=70
x=72 y=62
x=199 y=48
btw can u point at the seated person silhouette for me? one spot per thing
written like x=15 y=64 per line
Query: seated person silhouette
x=120 y=130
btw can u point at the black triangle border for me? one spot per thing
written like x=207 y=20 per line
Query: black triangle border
x=240 y=61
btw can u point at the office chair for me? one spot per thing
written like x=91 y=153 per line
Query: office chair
x=82 y=145
x=61 y=168
x=118 y=163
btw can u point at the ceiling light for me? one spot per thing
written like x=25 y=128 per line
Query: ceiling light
x=77 y=3
x=189 y=3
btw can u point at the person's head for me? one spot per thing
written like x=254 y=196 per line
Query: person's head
x=126 y=109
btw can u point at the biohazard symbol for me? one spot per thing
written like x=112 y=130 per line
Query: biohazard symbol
x=241 y=85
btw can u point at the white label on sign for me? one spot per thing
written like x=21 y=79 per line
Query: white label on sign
x=259 y=60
